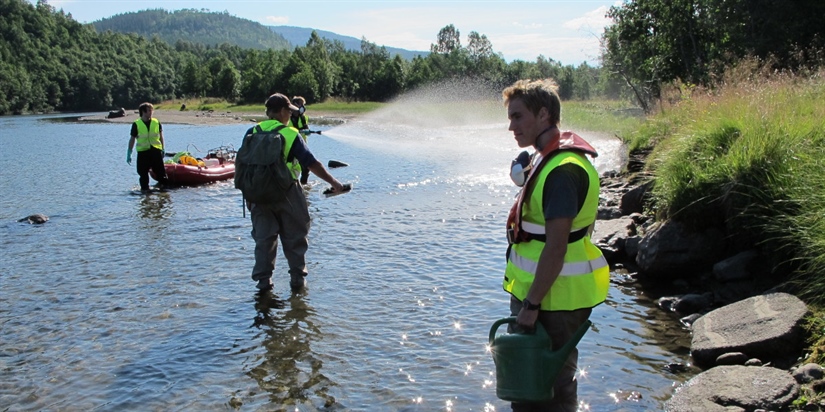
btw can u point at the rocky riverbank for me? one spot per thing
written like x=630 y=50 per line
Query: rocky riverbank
x=747 y=332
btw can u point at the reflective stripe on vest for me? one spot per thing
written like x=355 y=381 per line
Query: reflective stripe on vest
x=585 y=275
x=289 y=135
x=569 y=268
x=147 y=136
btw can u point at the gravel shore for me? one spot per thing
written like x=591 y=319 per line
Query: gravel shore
x=198 y=117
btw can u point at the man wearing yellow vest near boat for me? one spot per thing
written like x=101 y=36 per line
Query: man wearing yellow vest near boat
x=148 y=134
x=288 y=218
x=555 y=275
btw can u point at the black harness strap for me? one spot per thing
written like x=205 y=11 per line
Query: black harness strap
x=574 y=236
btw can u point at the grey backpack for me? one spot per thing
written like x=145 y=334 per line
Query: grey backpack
x=260 y=170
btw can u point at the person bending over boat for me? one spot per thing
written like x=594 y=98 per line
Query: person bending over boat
x=299 y=120
x=148 y=134
x=287 y=219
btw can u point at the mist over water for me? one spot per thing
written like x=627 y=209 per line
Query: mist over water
x=124 y=302
x=457 y=124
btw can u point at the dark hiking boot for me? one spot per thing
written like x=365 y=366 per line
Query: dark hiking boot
x=264 y=284
x=297 y=282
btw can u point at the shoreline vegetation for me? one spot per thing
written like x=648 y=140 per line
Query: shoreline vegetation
x=744 y=159
x=217 y=112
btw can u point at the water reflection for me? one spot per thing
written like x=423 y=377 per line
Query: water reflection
x=289 y=371
x=155 y=206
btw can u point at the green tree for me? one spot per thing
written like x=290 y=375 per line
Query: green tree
x=303 y=83
x=657 y=41
x=479 y=46
x=228 y=83
x=449 y=40
x=317 y=55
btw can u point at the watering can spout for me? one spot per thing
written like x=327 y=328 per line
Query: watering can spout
x=526 y=364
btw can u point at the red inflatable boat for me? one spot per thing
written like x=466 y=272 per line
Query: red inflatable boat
x=219 y=164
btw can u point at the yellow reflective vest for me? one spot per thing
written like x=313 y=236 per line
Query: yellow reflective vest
x=289 y=134
x=585 y=276
x=147 y=136
x=302 y=122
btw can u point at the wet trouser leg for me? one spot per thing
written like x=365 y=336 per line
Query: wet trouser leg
x=150 y=159
x=560 y=325
x=295 y=231
x=265 y=228
x=289 y=220
x=157 y=165
x=144 y=163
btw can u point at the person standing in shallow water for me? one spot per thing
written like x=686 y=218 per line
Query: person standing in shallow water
x=287 y=219
x=299 y=120
x=147 y=132
x=554 y=274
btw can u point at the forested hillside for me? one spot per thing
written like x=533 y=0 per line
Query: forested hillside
x=49 y=62
x=195 y=26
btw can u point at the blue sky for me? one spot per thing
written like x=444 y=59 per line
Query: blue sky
x=565 y=31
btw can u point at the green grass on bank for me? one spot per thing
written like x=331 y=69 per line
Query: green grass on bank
x=749 y=156
x=617 y=118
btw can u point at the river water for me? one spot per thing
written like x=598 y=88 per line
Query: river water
x=131 y=302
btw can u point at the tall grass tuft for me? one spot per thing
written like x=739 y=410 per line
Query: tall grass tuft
x=749 y=155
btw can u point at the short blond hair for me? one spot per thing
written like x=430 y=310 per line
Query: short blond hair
x=536 y=94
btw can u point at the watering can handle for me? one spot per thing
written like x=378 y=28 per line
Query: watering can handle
x=574 y=340
x=512 y=319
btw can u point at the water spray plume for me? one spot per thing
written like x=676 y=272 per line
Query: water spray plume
x=456 y=102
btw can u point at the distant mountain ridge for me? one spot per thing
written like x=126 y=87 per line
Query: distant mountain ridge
x=215 y=28
x=208 y=28
x=298 y=36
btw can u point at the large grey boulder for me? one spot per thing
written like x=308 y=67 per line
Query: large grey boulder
x=670 y=249
x=735 y=267
x=610 y=235
x=633 y=201
x=735 y=388
x=767 y=327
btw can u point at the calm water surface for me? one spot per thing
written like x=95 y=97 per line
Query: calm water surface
x=129 y=302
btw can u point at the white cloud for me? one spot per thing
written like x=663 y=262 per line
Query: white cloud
x=567 y=50
x=530 y=26
x=592 y=22
x=277 y=19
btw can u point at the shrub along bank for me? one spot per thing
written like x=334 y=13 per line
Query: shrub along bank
x=748 y=156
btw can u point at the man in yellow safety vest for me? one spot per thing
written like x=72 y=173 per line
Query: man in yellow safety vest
x=148 y=134
x=287 y=219
x=554 y=274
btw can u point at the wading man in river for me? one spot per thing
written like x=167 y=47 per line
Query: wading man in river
x=555 y=275
x=148 y=134
x=278 y=212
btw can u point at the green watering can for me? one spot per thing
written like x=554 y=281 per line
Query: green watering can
x=526 y=365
